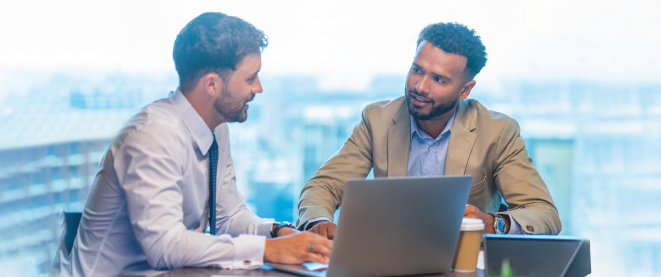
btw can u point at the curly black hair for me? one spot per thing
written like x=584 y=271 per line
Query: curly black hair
x=457 y=39
x=214 y=42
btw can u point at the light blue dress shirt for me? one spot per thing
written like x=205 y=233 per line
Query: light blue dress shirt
x=427 y=154
x=427 y=157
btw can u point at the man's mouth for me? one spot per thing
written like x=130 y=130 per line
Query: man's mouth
x=249 y=100
x=419 y=101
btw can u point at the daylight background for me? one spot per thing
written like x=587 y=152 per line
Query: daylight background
x=581 y=77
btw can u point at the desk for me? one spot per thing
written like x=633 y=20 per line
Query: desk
x=268 y=271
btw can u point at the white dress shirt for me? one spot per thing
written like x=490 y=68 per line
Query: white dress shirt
x=148 y=208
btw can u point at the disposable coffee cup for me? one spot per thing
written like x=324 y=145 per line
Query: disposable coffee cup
x=468 y=247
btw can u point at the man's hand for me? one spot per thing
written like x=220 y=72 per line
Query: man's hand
x=295 y=249
x=473 y=212
x=326 y=229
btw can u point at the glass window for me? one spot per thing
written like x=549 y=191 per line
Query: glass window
x=51 y=151
x=580 y=77
x=74 y=196
x=55 y=173
x=74 y=172
x=74 y=149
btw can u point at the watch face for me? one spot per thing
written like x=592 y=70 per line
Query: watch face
x=500 y=225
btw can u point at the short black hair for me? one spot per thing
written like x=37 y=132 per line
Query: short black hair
x=457 y=39
x=214 y=42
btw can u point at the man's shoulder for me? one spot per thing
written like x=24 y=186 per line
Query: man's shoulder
x=384 y=109
x=484 y=112
x=483 y=117
x=156 y=119
x=161 y=111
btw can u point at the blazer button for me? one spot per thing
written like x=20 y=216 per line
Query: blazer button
x=530 y=228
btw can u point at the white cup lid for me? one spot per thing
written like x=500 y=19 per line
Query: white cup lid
x=472 y=224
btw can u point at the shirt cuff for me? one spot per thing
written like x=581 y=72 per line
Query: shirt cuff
x=264 y=229
x=249 y=252
x=515 y=228
x=321 y=218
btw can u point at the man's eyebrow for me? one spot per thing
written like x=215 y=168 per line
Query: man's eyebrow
x=445 y=78
x=254 y=74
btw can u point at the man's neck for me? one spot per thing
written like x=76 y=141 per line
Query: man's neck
x=204 y=107
x=435 y=126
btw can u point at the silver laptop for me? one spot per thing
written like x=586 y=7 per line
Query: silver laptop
x=395 y=226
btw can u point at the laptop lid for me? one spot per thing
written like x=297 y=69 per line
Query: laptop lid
x=399 y=226
x=537 y=255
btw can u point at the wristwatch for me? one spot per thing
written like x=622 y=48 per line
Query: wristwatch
x=274 y=232
x=499 y=224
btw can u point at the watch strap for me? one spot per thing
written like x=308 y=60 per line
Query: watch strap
x=274 y=232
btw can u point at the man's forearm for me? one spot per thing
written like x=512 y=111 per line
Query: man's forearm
x=244 y=221
x=537 y=219
x=317 y=200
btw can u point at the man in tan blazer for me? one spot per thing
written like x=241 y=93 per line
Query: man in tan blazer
x=435 y=130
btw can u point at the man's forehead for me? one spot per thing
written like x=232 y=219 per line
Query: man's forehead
x=422 y=42
x=433 y=55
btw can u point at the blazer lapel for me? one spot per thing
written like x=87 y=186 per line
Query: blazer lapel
x=399 y=142
x=461 y=141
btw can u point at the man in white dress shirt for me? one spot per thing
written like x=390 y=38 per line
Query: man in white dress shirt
x=149 y=205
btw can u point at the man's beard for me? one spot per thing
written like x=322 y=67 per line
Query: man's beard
x=436 y=110
x=229 y=107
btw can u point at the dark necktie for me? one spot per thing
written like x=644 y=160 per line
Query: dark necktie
x=213 y=165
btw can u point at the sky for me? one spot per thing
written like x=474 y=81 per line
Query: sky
x=343 y=43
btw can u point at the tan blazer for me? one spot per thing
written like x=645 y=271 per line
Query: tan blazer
x=483 y=144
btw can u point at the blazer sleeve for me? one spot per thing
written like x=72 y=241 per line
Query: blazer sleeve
x=322 y=194
x=523 y=189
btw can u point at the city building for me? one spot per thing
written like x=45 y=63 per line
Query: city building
x=595 y=145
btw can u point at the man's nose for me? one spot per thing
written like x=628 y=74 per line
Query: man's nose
x=257 y=88
x=423 y=85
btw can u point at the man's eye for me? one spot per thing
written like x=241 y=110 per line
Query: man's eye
x=438 y=80
x=415 y=70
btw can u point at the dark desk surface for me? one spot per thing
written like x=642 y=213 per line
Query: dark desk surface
x=267 y=271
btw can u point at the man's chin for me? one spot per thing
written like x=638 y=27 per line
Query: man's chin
x=419 y=116
x=417 y=112
x=240 y=118
x=243 y=117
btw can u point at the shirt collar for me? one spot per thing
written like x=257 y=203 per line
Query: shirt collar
x=423 y=135
x=202 y=136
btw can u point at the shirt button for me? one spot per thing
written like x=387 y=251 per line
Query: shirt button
x=431 y=148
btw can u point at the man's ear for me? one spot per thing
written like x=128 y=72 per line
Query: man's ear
x=466 y=89
x=212 y=83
